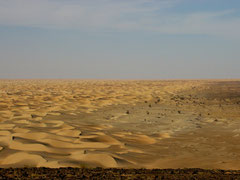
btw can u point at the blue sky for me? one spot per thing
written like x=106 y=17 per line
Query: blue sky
x=120 y=39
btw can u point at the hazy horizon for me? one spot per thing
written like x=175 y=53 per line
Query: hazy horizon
x=110 y=39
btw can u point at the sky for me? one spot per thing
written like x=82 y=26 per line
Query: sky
x=120 y=39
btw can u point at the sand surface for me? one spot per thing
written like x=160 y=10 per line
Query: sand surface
x=130 y=124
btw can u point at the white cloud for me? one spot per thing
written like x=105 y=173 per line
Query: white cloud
x=73 y=13
x=116 y=15
x=214 y=23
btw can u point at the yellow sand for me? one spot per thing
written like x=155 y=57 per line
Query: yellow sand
x=57 y=123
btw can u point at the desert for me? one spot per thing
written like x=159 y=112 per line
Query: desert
x=120 y=124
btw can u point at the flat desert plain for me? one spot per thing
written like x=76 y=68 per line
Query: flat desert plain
x=122 y=124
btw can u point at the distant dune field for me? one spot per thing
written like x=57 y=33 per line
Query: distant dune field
x=116 y=123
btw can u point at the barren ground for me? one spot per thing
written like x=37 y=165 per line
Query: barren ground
x=121 y=124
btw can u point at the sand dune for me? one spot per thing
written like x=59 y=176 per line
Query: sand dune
x=89 y=123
